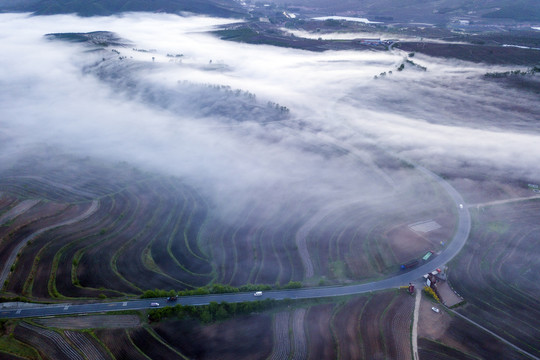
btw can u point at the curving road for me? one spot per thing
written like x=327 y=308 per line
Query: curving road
x=454 y=247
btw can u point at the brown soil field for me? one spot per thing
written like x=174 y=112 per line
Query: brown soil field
x=119 y=344
x=477 y=191
x=346 y=325
x=248 y=337
x=475 y=53
x=445 y=333
x=447 y=295
x=498 y=272
x=6 y=356
x=431 y=350
x=320 y=340
x=282 y=336
x=87 y=345
x=91 y=322
x=407 y=244
x=365 y=238
x=50 y=344
x=151 y=346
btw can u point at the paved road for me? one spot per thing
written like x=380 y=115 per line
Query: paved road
x=458 y=240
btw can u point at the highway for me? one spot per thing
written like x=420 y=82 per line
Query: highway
x=458 y=241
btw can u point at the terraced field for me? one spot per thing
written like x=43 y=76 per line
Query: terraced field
x=498 y=272
x=366 y=327
x=370 y=327
x=358 y=241
x=79 y=229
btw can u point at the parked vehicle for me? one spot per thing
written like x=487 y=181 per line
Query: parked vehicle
x=435 y=309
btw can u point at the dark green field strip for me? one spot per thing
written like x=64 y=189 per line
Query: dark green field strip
x=119 y=344
x=428 y=349
x=24 y=262
x=151 y=346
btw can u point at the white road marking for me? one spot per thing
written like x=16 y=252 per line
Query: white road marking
x=124 y=303
x=18 y=311
x=66 y=307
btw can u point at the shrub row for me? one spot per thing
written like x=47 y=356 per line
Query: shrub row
x=431 y=293
x=212 y=312
x=218 y=289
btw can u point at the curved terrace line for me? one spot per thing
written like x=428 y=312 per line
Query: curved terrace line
x=12 y=257
x=458 y=241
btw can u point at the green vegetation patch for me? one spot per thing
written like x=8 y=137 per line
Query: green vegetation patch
x=10 y=345
x=498 y=227
x=339 y=269
x=213 y=311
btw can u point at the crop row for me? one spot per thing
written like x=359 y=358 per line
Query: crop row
x=50 y=344
x=496 y=273
x=144 y=236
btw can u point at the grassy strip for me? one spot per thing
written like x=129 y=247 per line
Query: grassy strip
x=12 y=346
x=333 y=331
x=158 y=338
x=103 y=346
x=214 y=311
x=28 y=284
x=135 y=346
x=219 y=289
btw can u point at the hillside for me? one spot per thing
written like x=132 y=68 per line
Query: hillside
x=107 y=7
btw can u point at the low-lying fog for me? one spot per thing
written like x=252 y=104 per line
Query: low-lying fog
x=168 y=114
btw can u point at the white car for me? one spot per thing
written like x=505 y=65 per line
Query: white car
x=258 y=293
x=154 y=304
x=435 y=309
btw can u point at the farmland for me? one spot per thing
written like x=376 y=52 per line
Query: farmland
x=342 y=329
x=498 y=272
x=117 y=232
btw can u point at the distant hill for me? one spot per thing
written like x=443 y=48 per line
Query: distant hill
x=225 y=8
x=426 y=10
x=528 y=10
